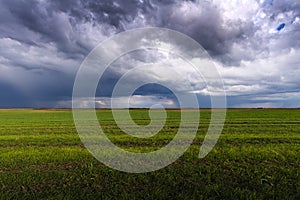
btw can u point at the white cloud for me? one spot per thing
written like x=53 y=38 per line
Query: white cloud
x=135 y=101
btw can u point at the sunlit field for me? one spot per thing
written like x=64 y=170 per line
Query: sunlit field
x=256 y=157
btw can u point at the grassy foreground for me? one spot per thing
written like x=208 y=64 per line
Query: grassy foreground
x=257 y=157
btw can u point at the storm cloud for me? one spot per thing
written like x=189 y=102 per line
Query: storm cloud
x=254 y=43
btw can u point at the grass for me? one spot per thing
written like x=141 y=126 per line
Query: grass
x=256 y=157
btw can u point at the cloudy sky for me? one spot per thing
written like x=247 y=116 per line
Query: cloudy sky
x=255 y=45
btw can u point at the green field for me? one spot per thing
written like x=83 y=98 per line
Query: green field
x=256 y=157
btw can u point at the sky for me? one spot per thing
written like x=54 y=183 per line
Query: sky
x=255 y=45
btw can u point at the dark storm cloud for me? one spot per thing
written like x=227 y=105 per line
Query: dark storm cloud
x=203 y=22
x=44 y=42
x=49 y=25
x=10 y=96
x=56 y=21
x=36 y=22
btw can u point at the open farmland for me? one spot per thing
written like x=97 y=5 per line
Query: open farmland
x=256 y=157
